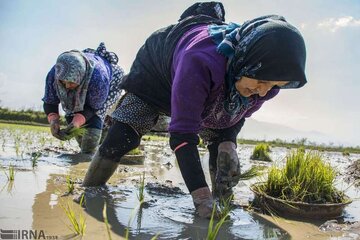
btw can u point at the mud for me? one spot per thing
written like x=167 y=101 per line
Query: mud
x=353 y=173
x=35 y=198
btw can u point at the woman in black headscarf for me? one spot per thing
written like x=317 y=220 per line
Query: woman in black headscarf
x=208 y=76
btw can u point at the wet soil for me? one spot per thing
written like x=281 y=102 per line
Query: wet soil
x=35 y=198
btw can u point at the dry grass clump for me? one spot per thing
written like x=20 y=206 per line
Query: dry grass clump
x=304 y=178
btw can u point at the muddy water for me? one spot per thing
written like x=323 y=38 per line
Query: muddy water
x=34 y=199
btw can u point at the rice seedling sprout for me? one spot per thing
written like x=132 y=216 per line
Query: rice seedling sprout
x=135 y=151
x=78 y=223
x=70 y=185
x=11 y=173
x=213 y=228
x=261 y=152
x=34 y=158
x=106 y=222
x=141 y=188
x=254 y=171
x=225 y=206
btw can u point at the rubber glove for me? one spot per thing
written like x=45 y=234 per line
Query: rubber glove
x=78 y=120
x=54 y=120
x=228 y=169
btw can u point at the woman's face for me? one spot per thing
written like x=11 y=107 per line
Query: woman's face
x=249 y=86
x=69 y=85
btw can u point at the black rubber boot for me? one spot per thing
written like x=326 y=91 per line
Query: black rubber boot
x=90 y=140
x=100 y=170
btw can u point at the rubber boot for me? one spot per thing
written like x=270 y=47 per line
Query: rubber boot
x=90 y=140
x=203 y=202
x=213 y=152
x=100 y=170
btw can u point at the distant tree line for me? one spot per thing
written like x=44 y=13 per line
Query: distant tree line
x=26 y=116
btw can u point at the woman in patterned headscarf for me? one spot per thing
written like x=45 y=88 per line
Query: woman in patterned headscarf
x=87 y=84
x=208 y=76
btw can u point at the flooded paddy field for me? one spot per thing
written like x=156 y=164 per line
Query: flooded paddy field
x=45 y=169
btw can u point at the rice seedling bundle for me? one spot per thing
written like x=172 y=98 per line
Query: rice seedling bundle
x=306 y=177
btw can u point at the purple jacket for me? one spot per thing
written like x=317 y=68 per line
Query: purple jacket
x=198 y=86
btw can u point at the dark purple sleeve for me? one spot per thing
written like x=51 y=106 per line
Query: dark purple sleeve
x=98 y=89
x=272 y=93
x=190 y=89
x=50 y=96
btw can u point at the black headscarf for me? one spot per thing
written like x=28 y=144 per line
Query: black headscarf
x=266 y=48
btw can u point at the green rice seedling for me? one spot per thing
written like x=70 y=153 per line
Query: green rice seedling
x=155 y=237
x=346 y=153
x=34 y=158
x=225 y=207
x=42 y=141
x=17 y=148
x=70 y=185
x=74 y=132
x=127 y=230
x=301 y=149
x=261 y=152
x=135 y=151
x=254 y=171
x=3 y=144
x=202 y=144
x=62 y=144
x=11 y=173
x=213 y=228
x=78 y=223
x=304 y=178
x=106 y=222
x=141 y=188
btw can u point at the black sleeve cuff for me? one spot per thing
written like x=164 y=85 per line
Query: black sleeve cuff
x=51 y=108
x=189 y=160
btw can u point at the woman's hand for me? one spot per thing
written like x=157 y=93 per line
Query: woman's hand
x=78 y=120
x=228 y=169
x=54 y=120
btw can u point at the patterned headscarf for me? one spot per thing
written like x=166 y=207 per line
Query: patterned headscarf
x=265 y=48
x=111 y=57
x=73 y=66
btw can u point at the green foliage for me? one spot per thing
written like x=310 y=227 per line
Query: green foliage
x=154 y=137
x=106 y=222
x=78 y=223
x=70 y=185
x=141 y=189
x=261 y=152
x=300 y=143
x=74 y=132
x=11 y=173
x=254 y=171
x=28 y=115
x=346 y=153
x=34 y=158
x=304 y=178
x=213 y=228
x=135 y=151
x=225 y=207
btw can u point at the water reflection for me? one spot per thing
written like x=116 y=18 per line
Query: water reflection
x=170 y=216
